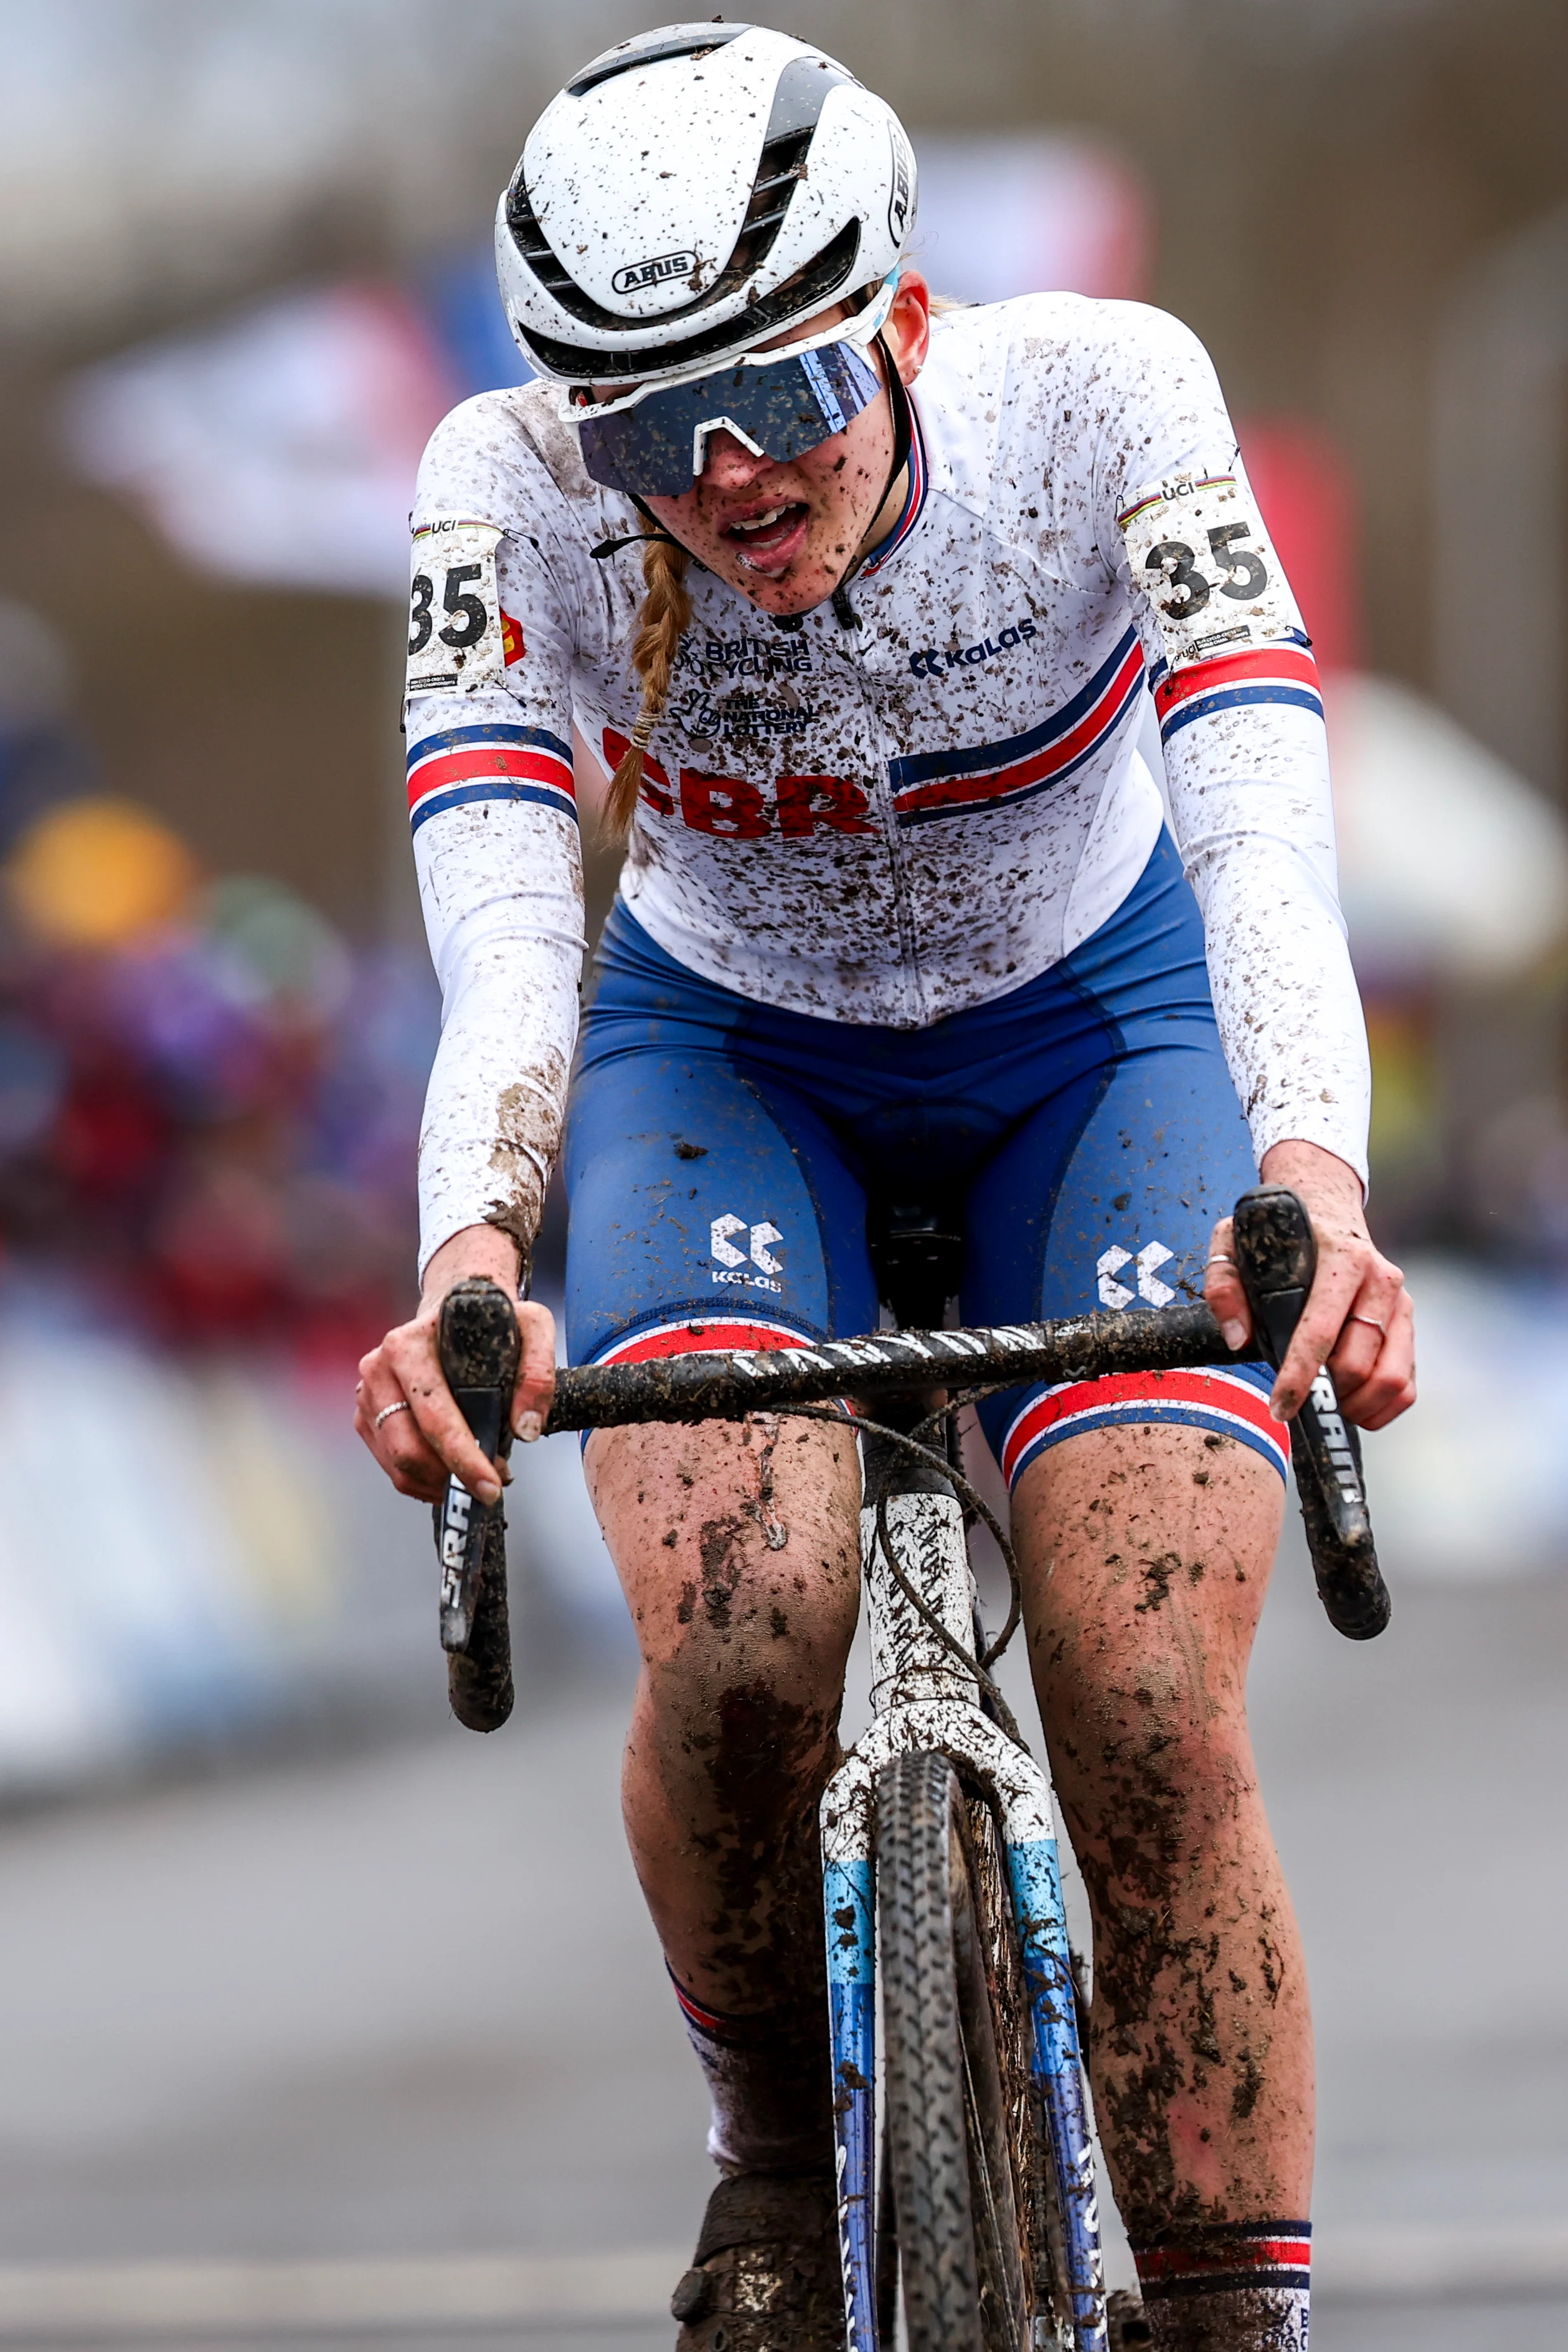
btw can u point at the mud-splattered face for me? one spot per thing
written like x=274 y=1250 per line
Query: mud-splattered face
x=783 y=535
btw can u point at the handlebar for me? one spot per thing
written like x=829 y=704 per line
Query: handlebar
x=720 y=1384
x=1275 y=1257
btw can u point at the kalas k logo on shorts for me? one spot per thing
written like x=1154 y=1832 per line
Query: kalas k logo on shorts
x=1145 y=1265
x=752 y=1268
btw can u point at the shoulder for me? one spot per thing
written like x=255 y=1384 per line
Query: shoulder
x=506 y=457
x=1045 y=408
x=1027 y=353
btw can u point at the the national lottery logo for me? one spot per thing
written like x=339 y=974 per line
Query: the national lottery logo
x=751 y=717
x=1146 y=1268
x=753 y=1266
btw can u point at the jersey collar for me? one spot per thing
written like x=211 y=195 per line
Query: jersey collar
x=919 y=482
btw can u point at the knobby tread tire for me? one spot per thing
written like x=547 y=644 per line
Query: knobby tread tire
x=925 y=2073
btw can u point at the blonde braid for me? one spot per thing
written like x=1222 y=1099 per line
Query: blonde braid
x=666 y=609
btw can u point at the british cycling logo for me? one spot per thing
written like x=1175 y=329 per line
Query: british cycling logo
x=937 y=660
x=735 y=1265
x=721 y=658
x=1147 y=1262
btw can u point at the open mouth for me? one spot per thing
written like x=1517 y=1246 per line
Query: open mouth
x=766 y=541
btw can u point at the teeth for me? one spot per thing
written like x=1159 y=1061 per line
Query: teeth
x=761 y=522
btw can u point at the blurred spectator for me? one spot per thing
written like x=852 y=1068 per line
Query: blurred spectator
x=43 y=757
x=208 y=1105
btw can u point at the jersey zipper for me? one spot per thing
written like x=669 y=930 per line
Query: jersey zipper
x=913 y=990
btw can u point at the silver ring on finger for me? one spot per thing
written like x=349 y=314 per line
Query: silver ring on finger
x=387 y=1411
x=1219 y=1258
x=1370 y=1320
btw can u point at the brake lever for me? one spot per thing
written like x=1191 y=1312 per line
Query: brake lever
x=478 y=1343
x=1277 y=1258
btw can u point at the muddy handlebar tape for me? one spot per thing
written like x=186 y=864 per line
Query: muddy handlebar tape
x=702 y=1385
x=479 y=1347
x=1277 y=1258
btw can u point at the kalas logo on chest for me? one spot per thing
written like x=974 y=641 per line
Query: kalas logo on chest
x=635 y=275
x=941 y=659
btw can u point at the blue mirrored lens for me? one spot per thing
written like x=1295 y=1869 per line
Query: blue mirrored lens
x=657 y=448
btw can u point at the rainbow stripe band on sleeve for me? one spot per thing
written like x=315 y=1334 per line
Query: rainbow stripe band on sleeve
x=1282 y=671
x=1156 y=498
x=461 y=765
x=1232 y=1402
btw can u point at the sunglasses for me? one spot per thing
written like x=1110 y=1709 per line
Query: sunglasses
x=652 y=443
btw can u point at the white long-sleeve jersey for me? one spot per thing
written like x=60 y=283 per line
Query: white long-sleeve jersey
x=888 y=822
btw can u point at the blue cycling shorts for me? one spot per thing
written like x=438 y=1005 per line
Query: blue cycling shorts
x=719 y=1154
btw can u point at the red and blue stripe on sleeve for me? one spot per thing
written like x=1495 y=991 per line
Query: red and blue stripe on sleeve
x=462 y=764
x=1282 y=670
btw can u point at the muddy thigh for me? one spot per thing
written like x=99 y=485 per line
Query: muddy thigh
x=737 y=1547
x=1146 y=1553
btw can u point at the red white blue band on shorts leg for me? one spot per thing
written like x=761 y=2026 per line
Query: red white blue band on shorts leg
x=1232 y=1400
x=685 y=1335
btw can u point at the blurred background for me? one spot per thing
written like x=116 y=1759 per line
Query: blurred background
x=246 y=1860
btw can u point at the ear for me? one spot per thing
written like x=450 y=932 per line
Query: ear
x=908 y=330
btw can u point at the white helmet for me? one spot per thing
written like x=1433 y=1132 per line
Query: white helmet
x=689 y=194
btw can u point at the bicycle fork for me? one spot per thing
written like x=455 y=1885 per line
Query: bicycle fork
x=923 y=1699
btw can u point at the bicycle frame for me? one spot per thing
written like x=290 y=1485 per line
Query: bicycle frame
x=922 y=1700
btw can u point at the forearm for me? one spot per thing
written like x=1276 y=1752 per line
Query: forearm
x=476 y=1250
x=1309 y=1169
x=509 y=968
x=1285 y=993
x=493 y=1119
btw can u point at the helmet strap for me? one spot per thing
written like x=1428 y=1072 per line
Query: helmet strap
x=903 y=441
x=640 y=538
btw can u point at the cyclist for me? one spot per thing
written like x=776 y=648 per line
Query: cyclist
x=899 y=912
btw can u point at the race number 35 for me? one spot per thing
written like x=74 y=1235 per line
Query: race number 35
x=1246 y=575
x=1200 y=552
x=454 y=616
x=464 y=633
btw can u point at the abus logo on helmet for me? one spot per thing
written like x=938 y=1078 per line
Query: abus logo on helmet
x=903 y=177
x=638 y=274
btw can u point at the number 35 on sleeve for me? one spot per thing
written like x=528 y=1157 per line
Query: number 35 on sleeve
x=454 y=609
x=1198 y=552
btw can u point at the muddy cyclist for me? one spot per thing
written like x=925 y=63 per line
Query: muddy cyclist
x=858 y=604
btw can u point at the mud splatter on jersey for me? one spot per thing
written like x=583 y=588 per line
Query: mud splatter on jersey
x=890 y=823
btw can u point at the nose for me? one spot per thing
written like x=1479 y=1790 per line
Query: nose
x=728 y=464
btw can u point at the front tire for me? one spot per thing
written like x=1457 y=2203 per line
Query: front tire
x=962 y=2197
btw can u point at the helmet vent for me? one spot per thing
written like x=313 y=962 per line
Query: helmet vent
x=543 y=259
x=810 y=288
x=694 y=41
x=792 y=124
